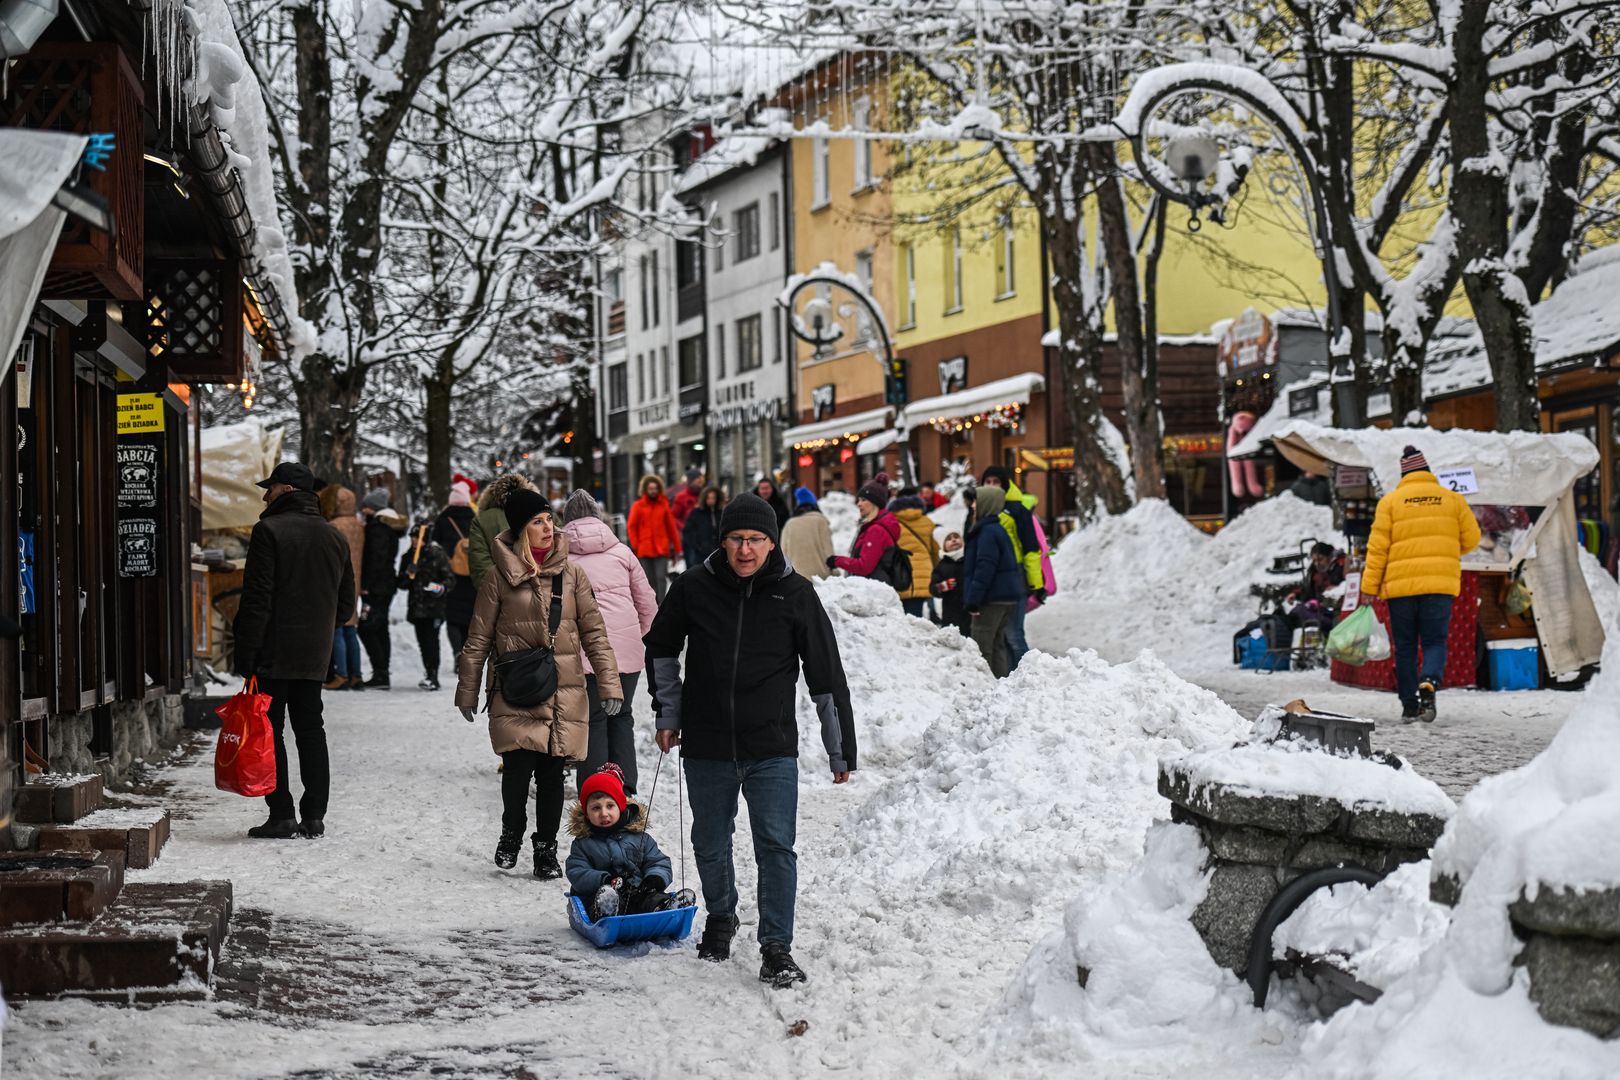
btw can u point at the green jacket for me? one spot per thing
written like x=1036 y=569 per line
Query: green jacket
x=485 y=528
x=1022 y=534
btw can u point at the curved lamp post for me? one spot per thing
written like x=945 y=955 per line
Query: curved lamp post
x=1192 y=155
x=818 y=327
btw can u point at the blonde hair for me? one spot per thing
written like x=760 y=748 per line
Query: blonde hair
x=521 y=540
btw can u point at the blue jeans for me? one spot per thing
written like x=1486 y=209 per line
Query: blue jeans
x=1413 y=620
x=771 y=787
x=1017 y=644
x=346 y=652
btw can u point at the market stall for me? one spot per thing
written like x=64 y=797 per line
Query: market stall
x=1520 y=486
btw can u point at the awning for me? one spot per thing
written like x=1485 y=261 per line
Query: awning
x=876 y=444
x=839 y=427
x=38 y=163
x=975 y=399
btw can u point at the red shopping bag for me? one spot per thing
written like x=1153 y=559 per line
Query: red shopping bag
x=245 y=758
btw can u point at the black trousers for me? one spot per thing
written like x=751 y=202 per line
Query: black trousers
x=301 y=700
x=374 y=633
x=427 y=640
x=457 y=632
x=548 y=777
x=612 y=737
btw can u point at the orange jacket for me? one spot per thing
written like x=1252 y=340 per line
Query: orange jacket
x=653 y=532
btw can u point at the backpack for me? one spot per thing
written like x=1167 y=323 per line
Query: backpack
x=894 y=567
x=460 y=564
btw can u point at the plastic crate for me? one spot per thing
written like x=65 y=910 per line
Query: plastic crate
x=1514 y=664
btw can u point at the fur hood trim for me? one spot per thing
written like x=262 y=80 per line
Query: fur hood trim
x=500 y=487
x=579 y=826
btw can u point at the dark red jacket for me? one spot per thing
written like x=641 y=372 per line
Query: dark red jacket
x=875 y=537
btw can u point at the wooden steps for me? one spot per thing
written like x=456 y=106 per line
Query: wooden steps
x=138 y=834
x=59 y=798
x=45 y=887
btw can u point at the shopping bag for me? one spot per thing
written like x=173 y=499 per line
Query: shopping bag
x=1377 y=640
x=1351 y=641
x=245 y=757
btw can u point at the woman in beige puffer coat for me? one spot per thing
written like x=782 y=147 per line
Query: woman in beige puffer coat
x=514 y=603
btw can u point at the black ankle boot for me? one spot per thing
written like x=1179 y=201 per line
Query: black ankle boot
x=546 y=866
x=507 y=848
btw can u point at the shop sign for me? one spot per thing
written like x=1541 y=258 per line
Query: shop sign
x=753 y=412
x=653 y=414
x=1304 y=400
x=1462 y=481
x=137 y=476
x=140 y=414
x=137 y=547
x=822 y=400
x=136 y=495
x=953 y=375
x=1250 y=342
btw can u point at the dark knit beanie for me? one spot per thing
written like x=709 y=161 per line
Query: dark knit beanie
x=875 y=490
x=997 y=473
x=749 y=511
x=1412 y=460
x=522 y=507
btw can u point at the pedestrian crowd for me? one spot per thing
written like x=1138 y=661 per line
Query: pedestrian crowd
x=552 y=620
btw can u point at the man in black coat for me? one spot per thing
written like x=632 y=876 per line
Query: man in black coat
x=297 y=588
x=378 y=582
x=748 y=624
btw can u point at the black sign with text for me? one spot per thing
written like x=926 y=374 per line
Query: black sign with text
x=137 y=494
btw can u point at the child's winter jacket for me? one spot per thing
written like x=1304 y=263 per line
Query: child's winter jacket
x=424 y=570
x=623 y=851
x=949 y=586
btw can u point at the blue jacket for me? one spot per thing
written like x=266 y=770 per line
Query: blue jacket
x=623 y=851
x=990 y=567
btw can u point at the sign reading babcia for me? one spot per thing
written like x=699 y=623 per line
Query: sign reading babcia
x=751 y=412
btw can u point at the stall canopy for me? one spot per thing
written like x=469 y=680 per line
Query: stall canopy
x=235 y=457
x=1015 y=390
x=837 y=427
x=1511 y=470
x=38 y=163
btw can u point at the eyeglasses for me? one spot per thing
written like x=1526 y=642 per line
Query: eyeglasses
x=747 y=541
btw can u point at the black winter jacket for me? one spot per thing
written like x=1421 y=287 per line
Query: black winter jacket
x=297 y=589
x=953 y=612
x=745 y=641
x=377 y=561
x=700 y=536
x=458 y=605
x=427 y=577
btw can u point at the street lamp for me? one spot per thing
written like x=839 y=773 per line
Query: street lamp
x=817 y=327
x=1192 y=156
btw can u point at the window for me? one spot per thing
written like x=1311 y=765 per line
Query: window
x=908 y=284
x=776 y=335
x=641 y=379
x=688 y=263
x=718 y=253
x=663 y=365
x=863 y=148
x=750 y=345
x=646 y=305
x=775 y=224
x=863 y=269
x=654 y=287
x=618 y=388
x=745 y=223
x=613 y=286
x=1004 y=259
x=720 y=350
x=691 y=359
x=953 y=271
x=818 y=173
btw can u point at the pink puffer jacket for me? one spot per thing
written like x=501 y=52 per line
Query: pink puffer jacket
x=623 y=593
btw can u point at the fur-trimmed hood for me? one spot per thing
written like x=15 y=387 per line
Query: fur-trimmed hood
x=634 y=819
x=495 y=494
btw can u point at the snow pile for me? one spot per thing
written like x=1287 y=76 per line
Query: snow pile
x=1605 y=590
x=903 y=673
x=1035 y=781
x=842 y=518
x=1549 y=823
x=1383 y=931
x=1151 y=989
x=1148 y=579
x=1297 y=767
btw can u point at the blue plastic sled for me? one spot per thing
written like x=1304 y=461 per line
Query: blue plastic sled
x=672 y=925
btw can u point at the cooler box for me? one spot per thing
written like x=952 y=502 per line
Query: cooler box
x=1256 y=655
x=1515 y=664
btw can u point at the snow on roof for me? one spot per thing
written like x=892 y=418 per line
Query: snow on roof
x=1517 y=467
x=1581 y=318
x=1279 y=414
x=837 y=427
x=224 y=82
x=736 y=150
x=1013 y=389
x=1054 y=337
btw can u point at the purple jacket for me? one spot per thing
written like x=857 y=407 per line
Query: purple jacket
x=622 y=592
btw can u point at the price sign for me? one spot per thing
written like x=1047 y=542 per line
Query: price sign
x=1462 y=481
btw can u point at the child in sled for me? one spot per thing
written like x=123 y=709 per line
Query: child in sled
x=613 y=865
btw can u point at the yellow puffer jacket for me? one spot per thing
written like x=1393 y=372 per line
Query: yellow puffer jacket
x=917 y=541
x=1419 y=536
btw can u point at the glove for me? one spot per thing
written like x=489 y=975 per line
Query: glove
x=832 y=562
x=616 y=884
x=468 y=715
x=1040 y=596
x=611 y=706
x=653 y=884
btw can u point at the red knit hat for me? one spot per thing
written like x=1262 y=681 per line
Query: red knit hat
x=472 y=485
x=608 y=780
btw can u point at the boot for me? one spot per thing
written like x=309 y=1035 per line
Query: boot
x=546 y=866
x=1426 y=709
x=717 y=934
x=312 y=829
x=275 y=829
x=777 y=967
x=336 y=682
x=605 y=904
x=682 y=898
x=378 y=681
x=507 y=848
x=356 y=683
x=430 y=682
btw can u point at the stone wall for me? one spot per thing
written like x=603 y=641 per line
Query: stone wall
x=143 y=732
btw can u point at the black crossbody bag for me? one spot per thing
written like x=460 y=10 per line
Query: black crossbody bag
x=528 y=677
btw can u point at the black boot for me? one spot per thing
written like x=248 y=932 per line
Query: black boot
x=507 y=848
x=546 y=867
x=378 y=681
x=275 y=829
x=717 y=934
x=777 y=968
x=1426 y=709
x=312 y=828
